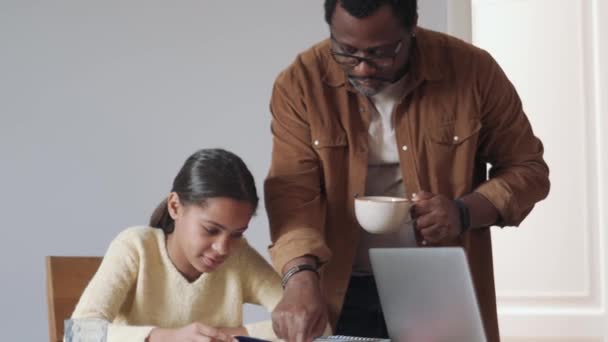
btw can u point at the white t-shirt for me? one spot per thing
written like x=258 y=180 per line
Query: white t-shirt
x=383 y=172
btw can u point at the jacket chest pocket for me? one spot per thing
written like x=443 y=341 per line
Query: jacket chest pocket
x=453 y=135
x=332 y=150
x=451 y=151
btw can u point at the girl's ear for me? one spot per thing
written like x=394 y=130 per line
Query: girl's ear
x=174 y=206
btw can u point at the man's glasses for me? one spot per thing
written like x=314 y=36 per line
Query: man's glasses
x=380 y=58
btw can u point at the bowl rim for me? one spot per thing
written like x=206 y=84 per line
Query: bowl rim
x=383 y=199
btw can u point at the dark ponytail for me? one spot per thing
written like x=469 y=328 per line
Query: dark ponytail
x=160 y=217
x=206 y=174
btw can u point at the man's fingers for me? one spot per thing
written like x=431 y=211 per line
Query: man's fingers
x=433 y=233
x=422 y=195
x=317 y=326
x=430 y=219
x=424 y=203
x=297 y=332
x=277 y=325
x=292 y=326
x=422 y=208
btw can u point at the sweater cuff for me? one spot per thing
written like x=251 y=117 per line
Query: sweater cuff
x=128 y=333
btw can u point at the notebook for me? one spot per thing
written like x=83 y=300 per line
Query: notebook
x=333 y=338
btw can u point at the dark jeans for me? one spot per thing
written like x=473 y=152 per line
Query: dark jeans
x=361 y=313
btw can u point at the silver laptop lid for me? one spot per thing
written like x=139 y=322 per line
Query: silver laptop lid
x=427 y=294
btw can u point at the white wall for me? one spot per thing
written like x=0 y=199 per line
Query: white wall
x=550 y=273
x=101 y=102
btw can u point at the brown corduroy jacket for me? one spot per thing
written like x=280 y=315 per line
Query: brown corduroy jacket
x=459 y=113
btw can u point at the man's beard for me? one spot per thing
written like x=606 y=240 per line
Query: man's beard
x=368 y=91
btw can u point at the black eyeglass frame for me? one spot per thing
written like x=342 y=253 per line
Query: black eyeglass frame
x=371 y=61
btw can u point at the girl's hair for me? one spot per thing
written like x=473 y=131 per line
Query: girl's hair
x=206 y=174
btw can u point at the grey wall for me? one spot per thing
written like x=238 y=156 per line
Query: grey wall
x=101 y=102
x=434 y=14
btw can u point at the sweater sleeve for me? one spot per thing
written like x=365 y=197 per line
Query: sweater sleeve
x=261 y=286
x=108 y=289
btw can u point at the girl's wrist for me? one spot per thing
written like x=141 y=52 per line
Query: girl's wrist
x=157 y=335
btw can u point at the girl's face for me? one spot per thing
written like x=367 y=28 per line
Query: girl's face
x=204 y=235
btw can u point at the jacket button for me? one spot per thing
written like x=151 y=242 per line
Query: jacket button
x=316 y=142
x=404 y=147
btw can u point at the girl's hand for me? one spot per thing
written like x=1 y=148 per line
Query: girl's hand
x=195 y=332
x=237 y=331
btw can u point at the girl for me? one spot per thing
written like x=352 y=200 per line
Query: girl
x=186 y=277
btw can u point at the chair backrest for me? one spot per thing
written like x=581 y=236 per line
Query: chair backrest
x=66 y=279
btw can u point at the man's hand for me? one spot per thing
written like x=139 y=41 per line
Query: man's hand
x=437 y=217
x=301 y=315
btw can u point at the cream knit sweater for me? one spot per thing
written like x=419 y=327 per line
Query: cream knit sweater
x=137 y=288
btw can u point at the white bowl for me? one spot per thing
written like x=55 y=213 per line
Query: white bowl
x=382 y=214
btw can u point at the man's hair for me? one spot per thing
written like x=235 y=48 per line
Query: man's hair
x=405 y=10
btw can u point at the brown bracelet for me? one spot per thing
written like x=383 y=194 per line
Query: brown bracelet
x=296 y=269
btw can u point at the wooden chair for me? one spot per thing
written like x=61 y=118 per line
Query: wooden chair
x=66 y=279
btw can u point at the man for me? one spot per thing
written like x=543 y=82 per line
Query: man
x=384 y=107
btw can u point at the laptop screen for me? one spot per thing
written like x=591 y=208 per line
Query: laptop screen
x=427 y=294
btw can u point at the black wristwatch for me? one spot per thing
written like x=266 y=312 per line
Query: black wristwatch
x=465 y=216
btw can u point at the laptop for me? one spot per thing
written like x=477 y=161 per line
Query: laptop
x=427 y=294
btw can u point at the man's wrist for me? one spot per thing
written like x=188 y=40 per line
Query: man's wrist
x=297 y=270
x=305 y=259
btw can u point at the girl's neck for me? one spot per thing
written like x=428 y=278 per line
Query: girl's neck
x=179 y=260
